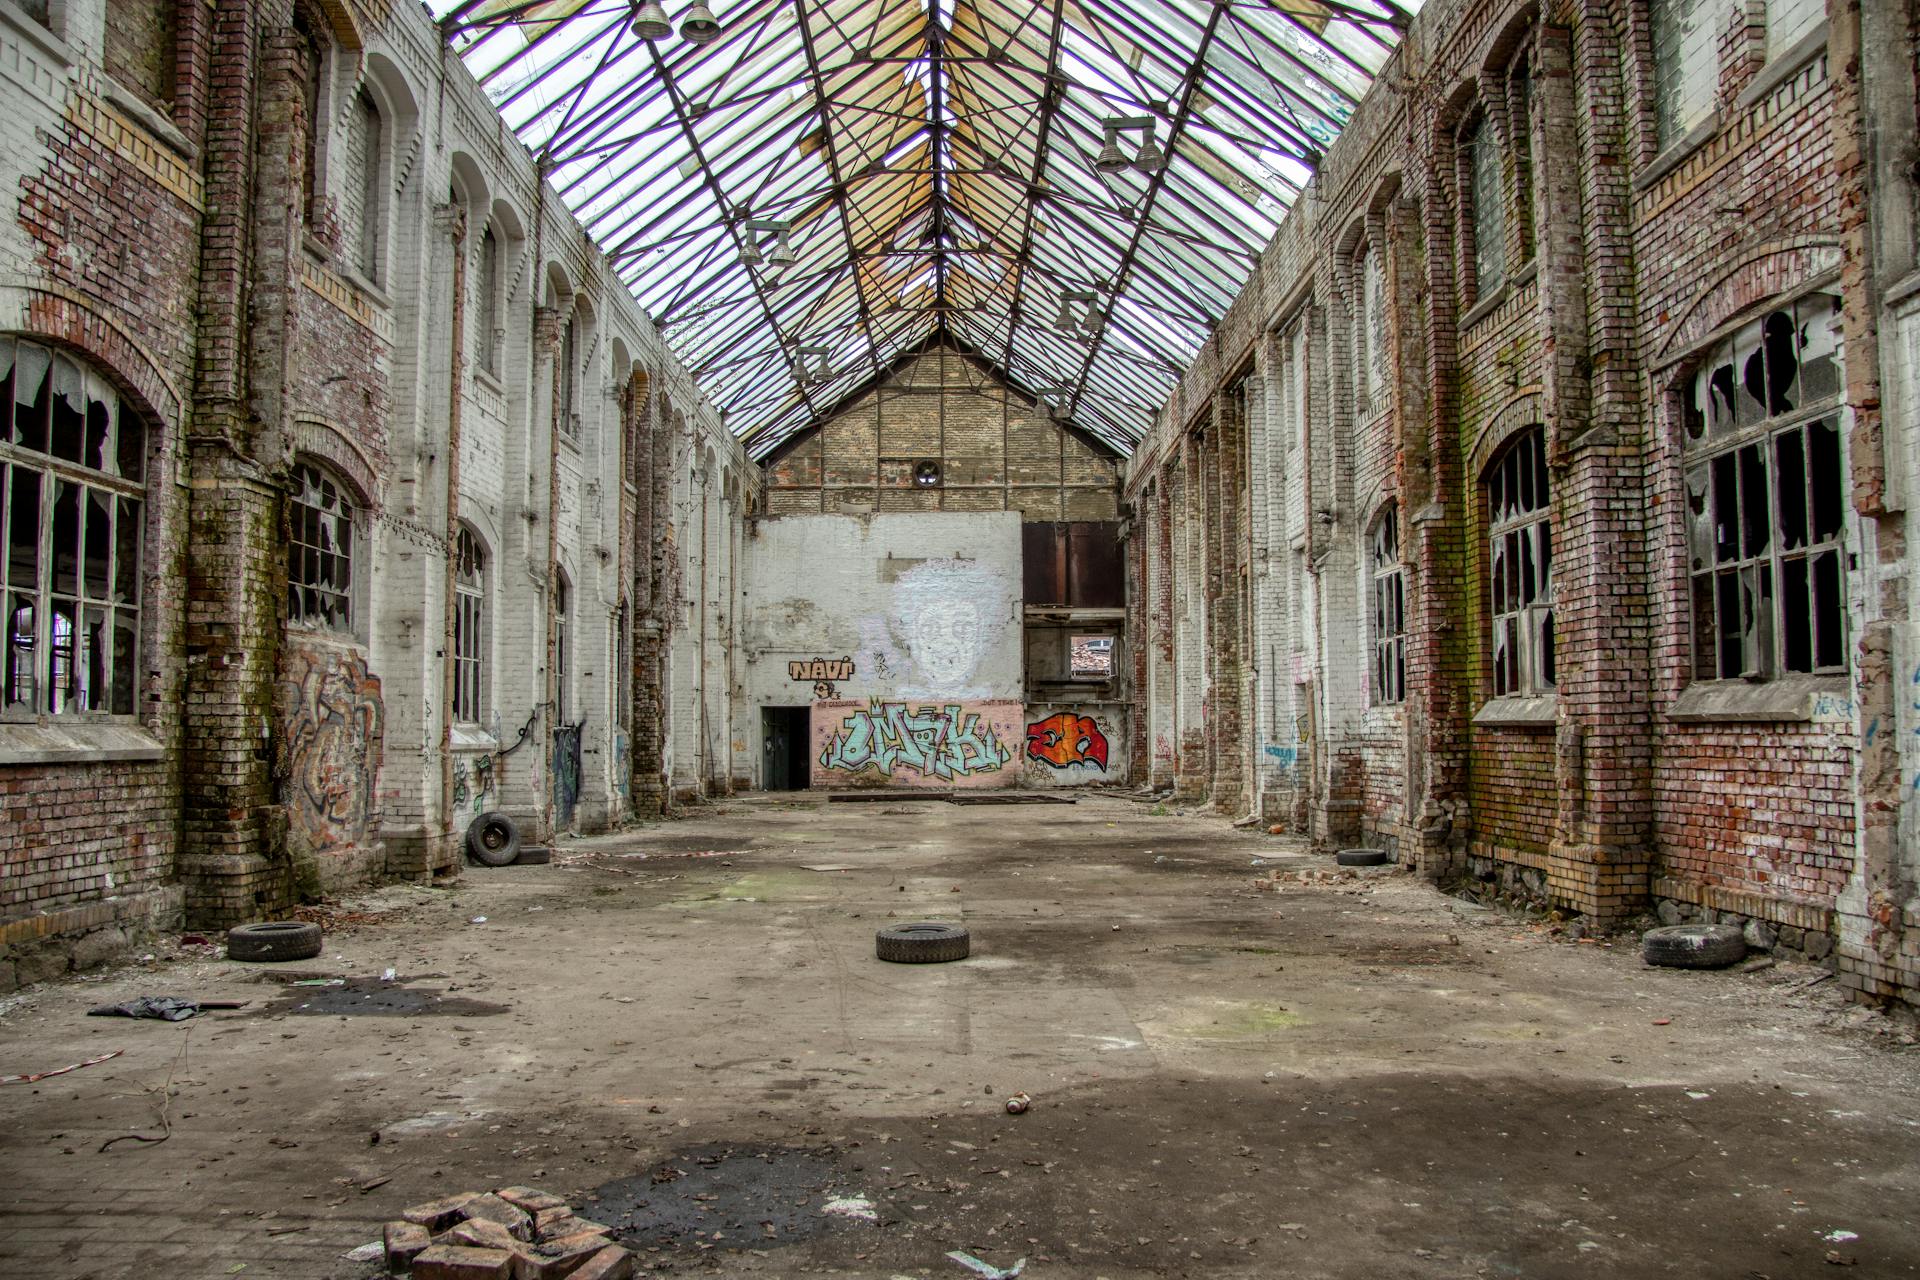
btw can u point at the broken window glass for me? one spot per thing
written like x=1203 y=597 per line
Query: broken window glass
x=69 y=580
x=1520 y=564
x=1769 y=596
x=320 y=553
x=1389 y=611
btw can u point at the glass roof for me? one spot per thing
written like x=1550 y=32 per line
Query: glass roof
x=903 y=168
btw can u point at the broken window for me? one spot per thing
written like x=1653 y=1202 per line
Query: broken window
x=320 y=552
x=1090 y=658
x=1685 y=65
x=469 y=626
x=1766 y=498
x=1389 y=610
x=1488 y=204
x=489 y=301
x=1520 y=566
x=1520 y=126
x=72 y=466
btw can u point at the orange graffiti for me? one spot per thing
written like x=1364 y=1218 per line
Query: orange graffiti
x=1066 y=739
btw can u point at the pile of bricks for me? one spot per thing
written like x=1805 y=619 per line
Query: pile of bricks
x=515 y=1233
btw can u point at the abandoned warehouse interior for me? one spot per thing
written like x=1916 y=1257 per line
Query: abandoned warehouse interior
x=1478 y=431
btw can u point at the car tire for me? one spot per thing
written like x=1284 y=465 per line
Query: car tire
x=1361 y=858
x=493 y=840
x=926 y=942
x=273 y=941
x=1693 y=946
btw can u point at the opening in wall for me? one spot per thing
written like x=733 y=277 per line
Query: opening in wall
x=1090 y=658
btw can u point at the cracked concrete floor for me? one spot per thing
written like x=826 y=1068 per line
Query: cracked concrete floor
x=1362 y=1078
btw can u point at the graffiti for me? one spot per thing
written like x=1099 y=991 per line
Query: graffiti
x=946 y=742
x=622 y=781
x=329 y=745
x=826 y=674
x=947 y=618
x=1285 y=756
x=473 y=791
x=566 y=772
x=1067 y=739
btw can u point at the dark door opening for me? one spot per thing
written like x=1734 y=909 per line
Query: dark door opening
x=787 y=735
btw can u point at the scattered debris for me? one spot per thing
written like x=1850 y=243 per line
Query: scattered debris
x=167 y=1008
x=371 y=1251
x=478 y=920
x=60 y=1071
x=858 y=1207
x=1694 y=946
x=521 y=1231
x=987 y=1269
x=828 y=866
x=1017 y=1105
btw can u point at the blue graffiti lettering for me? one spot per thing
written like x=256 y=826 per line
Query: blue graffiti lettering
x=936 y=742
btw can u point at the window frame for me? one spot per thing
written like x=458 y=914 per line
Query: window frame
x=369 y=257
x=125 y=543
x=470 y=581
x=1719 y=453
x=1479 y=137
x=562 y=647
x=567 y=351
x=489 y=276
x=1520 y=595
x=1074 y=674
x=1386 y=602
x=355 y=554
x=1670 y=130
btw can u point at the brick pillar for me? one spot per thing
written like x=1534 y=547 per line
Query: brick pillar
x=1595 y=444
x=1228 y=721
x=1190 y=772
x=1160 y=720
x=233 y=853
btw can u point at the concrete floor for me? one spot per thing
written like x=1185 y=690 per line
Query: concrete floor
x=1356 y=1078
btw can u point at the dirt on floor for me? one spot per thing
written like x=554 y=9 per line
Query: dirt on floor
x=1239 y=1067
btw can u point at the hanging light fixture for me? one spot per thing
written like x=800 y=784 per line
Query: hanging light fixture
x=783 y=254
x=1112 y=159
x=821 y=370
x=1045 y=409
x=1087 y=322
x=699 y=26
x=650 y=20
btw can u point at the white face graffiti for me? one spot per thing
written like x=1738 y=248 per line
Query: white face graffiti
x=944 y=636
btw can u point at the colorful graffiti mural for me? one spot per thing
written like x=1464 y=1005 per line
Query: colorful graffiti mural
x=826 y=674
x=328 y=747
x=949 y=744
x=1065 y=740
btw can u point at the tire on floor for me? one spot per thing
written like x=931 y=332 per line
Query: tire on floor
x=493 y=840
x=1693 y=946
x=274 y=940
x=924 y=942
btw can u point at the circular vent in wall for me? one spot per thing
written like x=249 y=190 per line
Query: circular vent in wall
x=926 y=475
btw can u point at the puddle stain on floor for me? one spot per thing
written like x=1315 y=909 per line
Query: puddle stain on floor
x=375 y=997
x=724 y=1197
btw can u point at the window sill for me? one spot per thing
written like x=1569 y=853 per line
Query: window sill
x=375 y=294
x=1677 y=152
x=1793 y=699
x=1486 y=306
x=1519 y=711
x=35 y=32
x=79 y=742
x=491 y=381
x=469 y=738
x=1784 y=67
x=149 y=117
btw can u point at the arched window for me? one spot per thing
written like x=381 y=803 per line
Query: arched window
x=363 y=212
x=1767 y=498
x=469 y=627
x=1389 y=599
x=72 y=472
x=562 y=647
x=564 y=371
x=489 y=284
x=320 y=552
x=1686 y=64
x=1520 y=565
x=1487 y=206
x=1370 y=338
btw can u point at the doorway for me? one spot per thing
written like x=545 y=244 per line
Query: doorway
x=787 y=742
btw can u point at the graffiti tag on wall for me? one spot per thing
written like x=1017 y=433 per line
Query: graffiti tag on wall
x=329 y=745
x=905 y=743
x=826 y=674
x=1066 y=739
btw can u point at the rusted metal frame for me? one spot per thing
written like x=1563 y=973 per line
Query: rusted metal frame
x=1146 y=42
x=1326 y=44
x=509 y=17
x=616 y=112
x=1153 y=191
x=579 y=93
x=516 y=56
x=719 y=196
x=1054 y=90
x=1247 y=28
x=1066 y=214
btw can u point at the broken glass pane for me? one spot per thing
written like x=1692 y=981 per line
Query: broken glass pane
x=1790 y=489
x=1828 y=484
